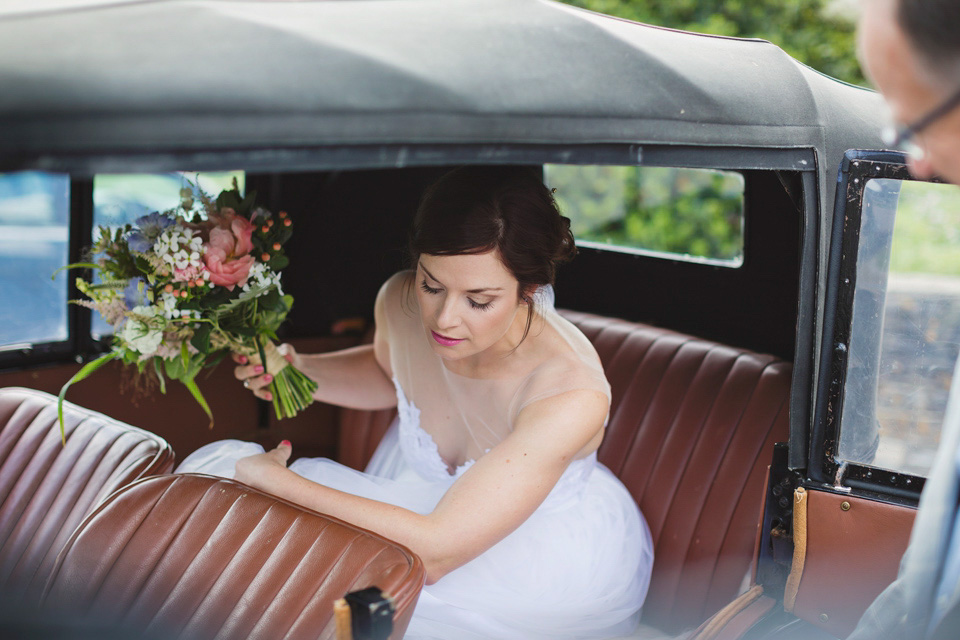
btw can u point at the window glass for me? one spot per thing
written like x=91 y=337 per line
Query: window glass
x=685 y=214
x=120 y=199
x=34 y=213
x=905 y=335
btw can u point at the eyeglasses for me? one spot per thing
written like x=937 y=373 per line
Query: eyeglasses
x=903 y=137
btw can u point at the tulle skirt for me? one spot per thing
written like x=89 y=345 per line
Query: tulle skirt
x=579 y=567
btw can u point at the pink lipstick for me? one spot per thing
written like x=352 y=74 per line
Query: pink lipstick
x=444 y=340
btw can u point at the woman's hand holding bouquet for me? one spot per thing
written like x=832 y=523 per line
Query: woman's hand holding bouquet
x=186 y=287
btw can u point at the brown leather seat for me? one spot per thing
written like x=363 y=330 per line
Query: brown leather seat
x=193 y=556
x=691 y=433
x=47 y=488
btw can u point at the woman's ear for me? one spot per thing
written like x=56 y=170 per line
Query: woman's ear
x=526 y=293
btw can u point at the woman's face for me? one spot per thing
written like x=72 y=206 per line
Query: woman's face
x=468 y=304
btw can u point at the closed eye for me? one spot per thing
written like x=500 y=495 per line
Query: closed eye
x=480 y=306
x=428 y=289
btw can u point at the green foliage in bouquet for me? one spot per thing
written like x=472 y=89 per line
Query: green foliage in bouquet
x=184 y=288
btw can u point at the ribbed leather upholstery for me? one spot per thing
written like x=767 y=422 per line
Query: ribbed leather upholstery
x=47 y=488
x=691 y=432
x=360 y=433
x=193 y=556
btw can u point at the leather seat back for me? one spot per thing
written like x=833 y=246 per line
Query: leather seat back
x=193 y=556
x=691 y=433
x=47 y=487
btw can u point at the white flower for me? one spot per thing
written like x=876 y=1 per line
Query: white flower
x=261 y=276
x=139 y=332
x=168 y=305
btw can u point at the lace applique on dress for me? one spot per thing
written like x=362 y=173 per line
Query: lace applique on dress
x=418 y=446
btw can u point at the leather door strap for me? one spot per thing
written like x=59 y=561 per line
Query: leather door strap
x=799 y=548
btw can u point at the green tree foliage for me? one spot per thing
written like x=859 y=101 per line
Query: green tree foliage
x=691 y=212
x=809 y=30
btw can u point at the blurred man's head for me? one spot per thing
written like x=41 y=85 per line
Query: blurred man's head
x=910 y=49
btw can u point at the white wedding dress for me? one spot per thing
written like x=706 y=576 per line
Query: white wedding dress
x=578 y=567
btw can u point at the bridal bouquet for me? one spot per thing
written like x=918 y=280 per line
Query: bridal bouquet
x=184 y=288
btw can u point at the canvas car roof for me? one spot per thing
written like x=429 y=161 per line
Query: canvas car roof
x=84 y=79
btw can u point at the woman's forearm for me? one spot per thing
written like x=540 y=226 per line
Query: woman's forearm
x=416 y=532
x=349 y=378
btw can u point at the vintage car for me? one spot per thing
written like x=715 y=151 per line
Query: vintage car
x=777 y=307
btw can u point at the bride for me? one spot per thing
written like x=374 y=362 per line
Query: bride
x=490 y=471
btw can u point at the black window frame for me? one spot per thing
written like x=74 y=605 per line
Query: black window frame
x=856 y=170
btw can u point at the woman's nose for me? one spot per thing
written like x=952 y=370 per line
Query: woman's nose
x=447 y=316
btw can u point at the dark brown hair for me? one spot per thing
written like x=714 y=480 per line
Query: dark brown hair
x=476 y=209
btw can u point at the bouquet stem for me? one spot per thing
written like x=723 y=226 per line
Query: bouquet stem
x=292 y=391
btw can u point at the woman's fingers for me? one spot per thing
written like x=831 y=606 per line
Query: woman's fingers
x=287 y=351
x=255 y=380
x=248 y=371
x=282 y=452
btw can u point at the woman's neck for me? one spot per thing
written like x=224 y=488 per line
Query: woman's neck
x=496 y=360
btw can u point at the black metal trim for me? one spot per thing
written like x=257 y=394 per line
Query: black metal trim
x=412 y=155
x=801 y=386
x=857 y=168
x=81 y=232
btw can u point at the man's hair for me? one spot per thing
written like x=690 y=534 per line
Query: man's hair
x=933 y=28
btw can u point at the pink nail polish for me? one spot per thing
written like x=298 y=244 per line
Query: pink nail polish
x=244 y=360
x=258 y=368
x=267 y=378
x=286 y=443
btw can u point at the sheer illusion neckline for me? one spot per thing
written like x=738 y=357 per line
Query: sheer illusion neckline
x=419 y=444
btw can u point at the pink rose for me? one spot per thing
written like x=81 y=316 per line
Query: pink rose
x=227 y=251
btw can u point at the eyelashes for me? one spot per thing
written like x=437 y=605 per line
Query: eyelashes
x=473 y=304
x=428 y=289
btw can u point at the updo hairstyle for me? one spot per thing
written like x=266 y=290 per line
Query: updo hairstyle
x=473 y=210
x=476 y=209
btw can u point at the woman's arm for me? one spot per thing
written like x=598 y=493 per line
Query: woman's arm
x=357 y=378
x=492 y=498
x=349 y=378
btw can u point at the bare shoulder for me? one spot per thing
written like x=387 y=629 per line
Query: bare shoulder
x=387 y=312
x=396 y=288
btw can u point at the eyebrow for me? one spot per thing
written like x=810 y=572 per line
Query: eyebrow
x=483 y=290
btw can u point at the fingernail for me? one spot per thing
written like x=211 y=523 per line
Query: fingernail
x=258 y=368
x=268 y=397
x=244 y=360
x=285 y=443
x=267 y=378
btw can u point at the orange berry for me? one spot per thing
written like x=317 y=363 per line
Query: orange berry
x=282 y=214
x=168 y=288
x=269 y=223
x=191 y=283
x=200 y=282
x=265 y=257
x=264 y=228
x=276 y=246
x=184 y=294
x=286 y=222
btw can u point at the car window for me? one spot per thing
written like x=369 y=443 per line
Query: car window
x=674 y=213
x=905 y=333
x=120 y=199
x=34 y=214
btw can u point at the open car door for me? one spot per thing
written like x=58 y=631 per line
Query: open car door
x=889 y=346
